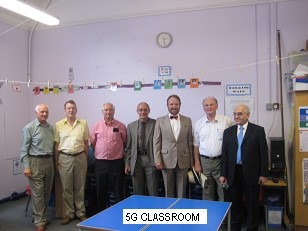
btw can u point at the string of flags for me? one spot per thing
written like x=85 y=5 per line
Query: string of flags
x=114 y=86
x=166 y=81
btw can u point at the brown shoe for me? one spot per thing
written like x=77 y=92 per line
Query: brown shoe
x=83 y=218
x=66 y=220
x=40 y=228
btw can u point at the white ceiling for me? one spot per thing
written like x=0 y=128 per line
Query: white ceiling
x=74 y=12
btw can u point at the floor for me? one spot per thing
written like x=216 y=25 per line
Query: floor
x=13 y=218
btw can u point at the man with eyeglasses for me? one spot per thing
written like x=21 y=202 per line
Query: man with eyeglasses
x=71 y=154
x=244 y=167
x=208 y=132
x=108 y=139
x=139 y=160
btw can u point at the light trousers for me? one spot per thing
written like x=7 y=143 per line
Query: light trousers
x=73 y=173
x=41 y=184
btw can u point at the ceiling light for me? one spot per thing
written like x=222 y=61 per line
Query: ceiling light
x=28 y=11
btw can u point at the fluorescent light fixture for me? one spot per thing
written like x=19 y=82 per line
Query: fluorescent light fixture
x=28 y=11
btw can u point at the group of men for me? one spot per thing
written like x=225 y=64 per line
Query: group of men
x=233 y=157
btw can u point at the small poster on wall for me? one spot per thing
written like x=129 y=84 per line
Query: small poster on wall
x=137 y=86
x=46 y=90
x=181 y=83
x=305 y=180
x=157 y=84
x=194 y=83
x=164 y=70
x=37 y=90
x=303 y=118
x=168 y=84
x=56 y=90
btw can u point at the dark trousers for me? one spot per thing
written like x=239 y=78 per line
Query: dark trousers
x=109 y=171
x=235 y=194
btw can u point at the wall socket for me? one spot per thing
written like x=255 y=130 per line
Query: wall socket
x=272 y=106
x=269 y=106
x=275 y=106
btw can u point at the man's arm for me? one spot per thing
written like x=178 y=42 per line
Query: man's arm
x=190 y=143
x=56 y=154
x=127 y=154
x=157 y=144
x=264 y=172
x=24 y=156
x=197 y=165
x=86 y=147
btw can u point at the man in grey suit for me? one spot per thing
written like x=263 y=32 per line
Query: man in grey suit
x=173 y=148
x=139 y=160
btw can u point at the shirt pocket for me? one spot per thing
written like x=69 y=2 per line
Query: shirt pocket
x=220 y=133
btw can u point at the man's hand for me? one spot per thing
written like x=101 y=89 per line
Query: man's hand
x=223 y=180
x=127 y=170
x=27 y=172
x=198 y=168
x=262 y=180
x=159 y=166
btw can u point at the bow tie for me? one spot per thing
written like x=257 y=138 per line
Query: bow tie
x=174 y=117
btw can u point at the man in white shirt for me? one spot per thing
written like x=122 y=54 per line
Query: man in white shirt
x=208 y=133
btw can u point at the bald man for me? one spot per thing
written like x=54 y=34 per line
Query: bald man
x=139 y=158
x=108 y=139
x=244 y=167
x=36 y=156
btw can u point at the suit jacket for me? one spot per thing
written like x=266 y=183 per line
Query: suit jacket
x=132 y=143
x=168 y=150
x=254 y=154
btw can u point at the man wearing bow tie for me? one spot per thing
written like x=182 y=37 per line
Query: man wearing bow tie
x=173 y=148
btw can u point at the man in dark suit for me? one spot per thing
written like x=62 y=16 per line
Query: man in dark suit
x=173 y=148
x=244 y=167
x=139 y=160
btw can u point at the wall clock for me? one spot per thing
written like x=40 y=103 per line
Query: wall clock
x=164 y=39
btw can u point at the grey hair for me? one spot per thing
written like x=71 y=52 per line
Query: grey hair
x=40 y=105
x=113 y=107
x=210 y=97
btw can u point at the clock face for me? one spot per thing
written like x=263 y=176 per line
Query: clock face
x=164 y=39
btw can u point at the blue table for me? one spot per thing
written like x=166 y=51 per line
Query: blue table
x=112 y=218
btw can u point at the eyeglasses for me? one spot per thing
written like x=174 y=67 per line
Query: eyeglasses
x=238 y=113
x=143 y=110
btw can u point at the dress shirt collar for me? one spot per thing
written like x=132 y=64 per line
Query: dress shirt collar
x=108 y=123
x=66 y=121
x=244 y=126
x=145 y=121
x=213 y=121
x=37 y=123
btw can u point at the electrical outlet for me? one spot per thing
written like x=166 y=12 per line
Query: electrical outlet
x=275 y=106
x=269 y=106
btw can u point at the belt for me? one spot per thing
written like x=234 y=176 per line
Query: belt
x=41 y=156
x=211 y=157
x=72 y=154
x=141 y=152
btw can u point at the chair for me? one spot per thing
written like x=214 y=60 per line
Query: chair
x=28 y=192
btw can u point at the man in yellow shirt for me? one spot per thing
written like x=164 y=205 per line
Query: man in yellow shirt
x=71 y=152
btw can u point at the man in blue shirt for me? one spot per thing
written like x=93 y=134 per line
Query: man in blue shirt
x=36 y=156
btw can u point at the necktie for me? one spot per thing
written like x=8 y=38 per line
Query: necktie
x=239 y=141
x=174 y=117
x=142 y=136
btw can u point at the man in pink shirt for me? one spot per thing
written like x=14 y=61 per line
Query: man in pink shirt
x=108 y=140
